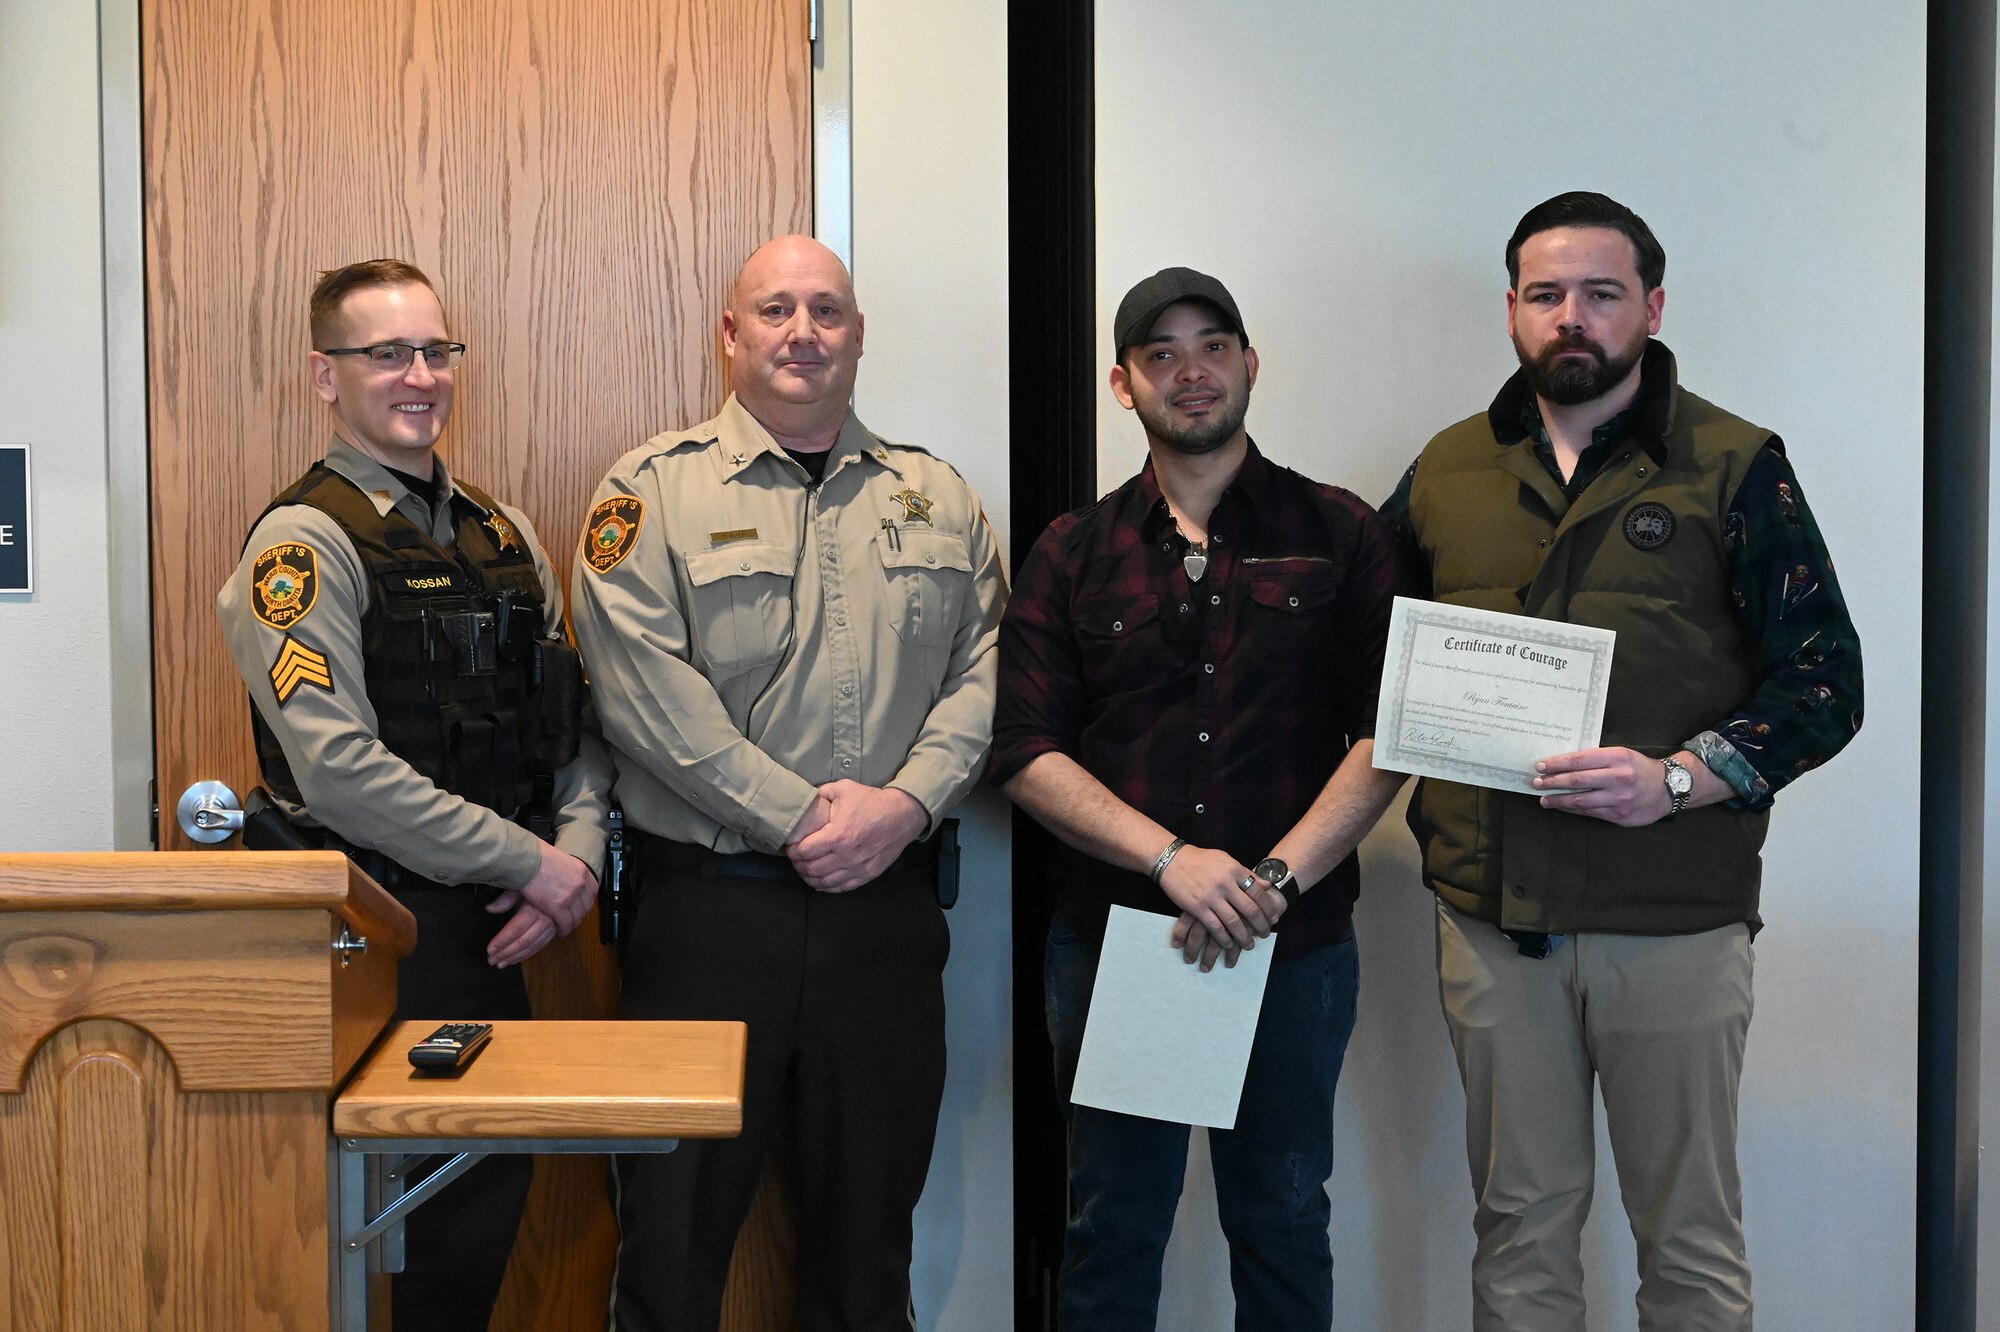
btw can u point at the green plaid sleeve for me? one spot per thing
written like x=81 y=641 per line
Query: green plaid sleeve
x=1788 y=601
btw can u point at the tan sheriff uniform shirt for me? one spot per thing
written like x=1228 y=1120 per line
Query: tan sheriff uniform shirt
x=351 y=783
x=751 y=637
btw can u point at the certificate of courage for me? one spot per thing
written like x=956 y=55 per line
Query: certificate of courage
x=1478 y=696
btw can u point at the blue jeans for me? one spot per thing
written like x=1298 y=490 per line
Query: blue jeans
x=1125 y=1172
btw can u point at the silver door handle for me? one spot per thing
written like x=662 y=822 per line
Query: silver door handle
x=210 y=812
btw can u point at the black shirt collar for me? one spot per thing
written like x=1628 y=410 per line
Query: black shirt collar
x=1253 y=482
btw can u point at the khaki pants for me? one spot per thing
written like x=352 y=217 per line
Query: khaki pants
x=1660 y=1022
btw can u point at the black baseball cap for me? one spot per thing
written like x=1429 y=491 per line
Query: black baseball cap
x=1145 y=303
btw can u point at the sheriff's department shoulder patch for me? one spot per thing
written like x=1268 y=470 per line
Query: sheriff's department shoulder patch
x=284 y=583
x=612 y=531
x=298 y=665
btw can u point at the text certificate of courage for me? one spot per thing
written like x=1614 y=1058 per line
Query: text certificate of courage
x=1478 y=696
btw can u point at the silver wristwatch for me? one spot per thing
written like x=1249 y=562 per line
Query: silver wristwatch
x=1680 y=783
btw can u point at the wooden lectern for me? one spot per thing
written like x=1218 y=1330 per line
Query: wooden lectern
x=173 y=1029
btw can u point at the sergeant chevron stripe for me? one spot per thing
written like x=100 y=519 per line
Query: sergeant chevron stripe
x=298 y=665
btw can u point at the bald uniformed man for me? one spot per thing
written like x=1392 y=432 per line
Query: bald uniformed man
x=416 y=707
x=790 y=626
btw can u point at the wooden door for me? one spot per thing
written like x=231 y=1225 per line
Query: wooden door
x=581 y=181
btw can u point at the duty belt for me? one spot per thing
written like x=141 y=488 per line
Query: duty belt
x=268 y=830
x=684 y=858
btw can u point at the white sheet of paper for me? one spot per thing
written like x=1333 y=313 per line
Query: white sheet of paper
x=1165 y=1039
x=1478 y=696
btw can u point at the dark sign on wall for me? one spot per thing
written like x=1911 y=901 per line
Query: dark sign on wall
x=16 y=569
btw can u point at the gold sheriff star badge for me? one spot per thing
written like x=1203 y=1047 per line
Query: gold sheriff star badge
x=503 y=531
x=916 y=506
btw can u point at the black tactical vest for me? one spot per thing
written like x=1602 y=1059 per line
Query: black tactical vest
x=465 y=688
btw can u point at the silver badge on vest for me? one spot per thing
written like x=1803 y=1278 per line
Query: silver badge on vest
x=1649 y=526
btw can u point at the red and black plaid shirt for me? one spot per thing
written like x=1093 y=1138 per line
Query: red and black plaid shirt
x=1218 y=707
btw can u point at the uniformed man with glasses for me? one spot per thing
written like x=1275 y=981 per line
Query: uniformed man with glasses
x=416 y=706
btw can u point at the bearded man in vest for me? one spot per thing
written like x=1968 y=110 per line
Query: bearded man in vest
x=415 y=706
x=1602 y=929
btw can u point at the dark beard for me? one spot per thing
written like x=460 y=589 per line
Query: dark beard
x=1199 y=437
x=1569 y=382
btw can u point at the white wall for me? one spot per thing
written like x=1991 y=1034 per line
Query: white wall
x=55 y=669
x=930 y=267
x=1353 y=171
x=1383 y=154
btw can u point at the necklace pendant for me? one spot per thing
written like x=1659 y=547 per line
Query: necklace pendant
x=1196 y=564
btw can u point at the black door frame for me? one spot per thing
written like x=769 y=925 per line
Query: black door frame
x=1958 y=361
x=1052 y=275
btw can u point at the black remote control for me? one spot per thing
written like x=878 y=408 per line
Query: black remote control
x=451 y=1047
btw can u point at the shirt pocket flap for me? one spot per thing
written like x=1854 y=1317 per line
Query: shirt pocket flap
x=1118 y=618
x=919 y=548
x=1306 y=590
x=740 y=560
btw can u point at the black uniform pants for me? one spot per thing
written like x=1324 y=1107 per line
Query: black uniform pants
x=844 y=997
x=457 y=1244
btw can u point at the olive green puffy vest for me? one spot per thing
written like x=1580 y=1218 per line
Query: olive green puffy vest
x=1639 y=552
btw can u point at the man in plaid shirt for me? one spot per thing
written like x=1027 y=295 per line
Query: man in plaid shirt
x=1188 y=672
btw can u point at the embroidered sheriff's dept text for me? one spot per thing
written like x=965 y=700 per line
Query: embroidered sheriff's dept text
x=612 y=531
x=284 y=582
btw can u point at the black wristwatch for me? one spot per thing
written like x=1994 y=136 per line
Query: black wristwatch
x=1279 y=875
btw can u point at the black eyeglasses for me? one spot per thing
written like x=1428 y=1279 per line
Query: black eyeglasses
x=398 y=355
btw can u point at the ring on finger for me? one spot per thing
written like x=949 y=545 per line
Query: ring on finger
x=1249 y=882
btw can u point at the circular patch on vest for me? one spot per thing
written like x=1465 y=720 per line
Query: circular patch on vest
x=284 y=583
x=612 y=531
x=1649 y=526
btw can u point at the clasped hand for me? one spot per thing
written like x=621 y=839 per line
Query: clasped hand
x=1219 y=916
x=852 y=833
x=545 y=908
